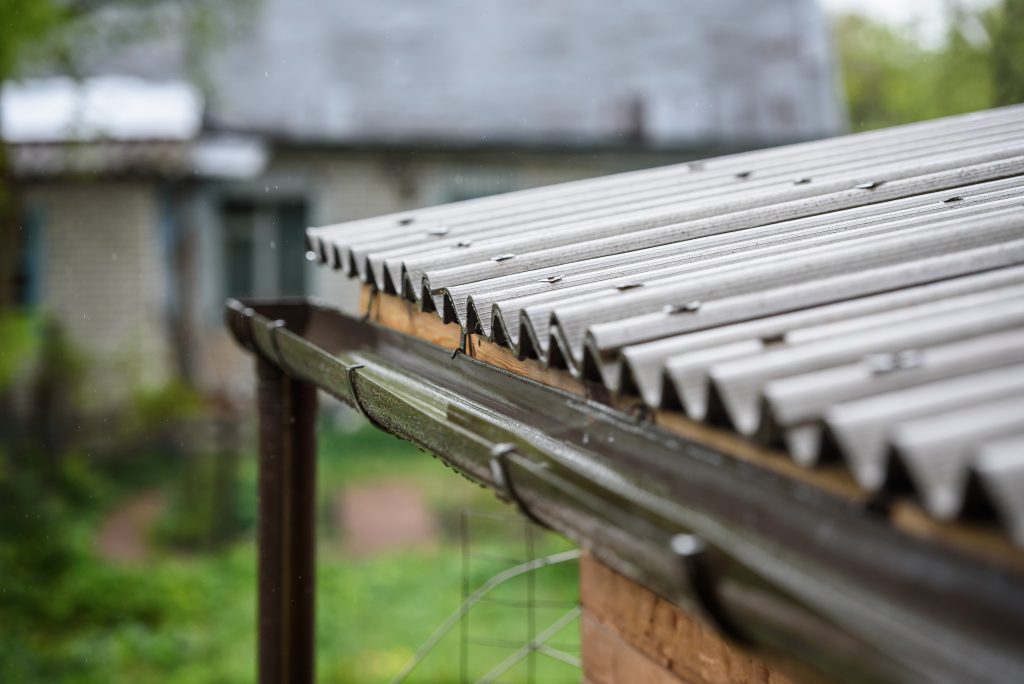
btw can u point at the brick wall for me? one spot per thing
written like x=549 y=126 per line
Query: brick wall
x=103 y=279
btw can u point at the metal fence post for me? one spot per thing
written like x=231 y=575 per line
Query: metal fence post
x=287 y=526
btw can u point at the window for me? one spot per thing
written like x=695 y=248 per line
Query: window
x=28 y=274
x=264 y=247
x=472 y=183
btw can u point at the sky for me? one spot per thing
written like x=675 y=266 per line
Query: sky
x=925 y=17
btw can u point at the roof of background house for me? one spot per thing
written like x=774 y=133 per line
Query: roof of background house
x=60 y=109
x=661 y=72
x=118 y=126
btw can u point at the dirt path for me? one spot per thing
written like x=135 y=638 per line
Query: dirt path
x=124 y=535
x=384 y=516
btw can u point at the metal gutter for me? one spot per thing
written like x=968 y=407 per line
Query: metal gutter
x=773 y=563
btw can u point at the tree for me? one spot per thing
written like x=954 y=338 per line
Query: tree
x=1005 y=25
x=24 y=25
x=891 y=78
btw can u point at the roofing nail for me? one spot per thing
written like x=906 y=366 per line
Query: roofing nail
x=953 y=200
x=802 y=181
x=310 y=255
x=628 y=286
x=889 y=362
x=870 y=185
x=743 y=175
x=503 y=257
x=463 y=243
x=551 y=279
x=405 y=220
x=437 y=231
x=688 y=307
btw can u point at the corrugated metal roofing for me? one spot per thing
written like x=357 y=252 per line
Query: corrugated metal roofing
x=857 y=299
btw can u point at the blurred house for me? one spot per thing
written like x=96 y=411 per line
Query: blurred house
x=149 y=199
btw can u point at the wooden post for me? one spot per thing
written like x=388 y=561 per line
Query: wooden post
x=287 y=526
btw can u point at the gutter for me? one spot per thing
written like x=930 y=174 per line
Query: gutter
x=776 y=565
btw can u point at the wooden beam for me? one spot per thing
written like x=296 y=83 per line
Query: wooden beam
x=638 y=633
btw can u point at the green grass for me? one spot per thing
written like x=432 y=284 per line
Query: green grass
x=190 y=618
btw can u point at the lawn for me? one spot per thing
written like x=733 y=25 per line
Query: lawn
x=67 y=615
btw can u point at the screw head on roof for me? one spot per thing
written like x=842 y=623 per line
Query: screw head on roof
x=310 y=255
x=405 y=220
x=870 y=185
x=890 y=362
x=802 y=181
x=463 y=243
x=628 y=286
x=503 y=257
x=953 y=200
x=437 y=231
x=688 y=307
x=551 y=279
x=743 y=175
x=687 y=544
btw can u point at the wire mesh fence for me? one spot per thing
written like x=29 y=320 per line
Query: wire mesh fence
x=494 y=580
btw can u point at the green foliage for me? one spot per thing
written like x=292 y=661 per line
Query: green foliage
x=174 y=402
x=890 y=78
x=18 y=343
x=23 y=25
x=52 y=588
x=205 y=511
x=1005 y=24
x=71 y=617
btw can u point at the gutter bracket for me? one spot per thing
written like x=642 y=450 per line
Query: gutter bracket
x=697 y=581
x=503 y=481
x=357 y=403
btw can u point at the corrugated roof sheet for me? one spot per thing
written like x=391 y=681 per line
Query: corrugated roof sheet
x=858 y=299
